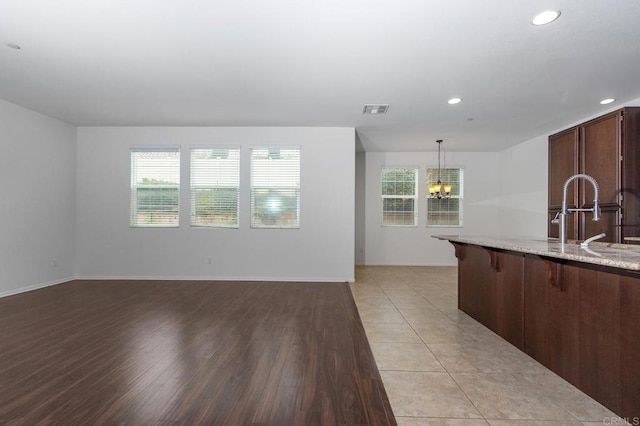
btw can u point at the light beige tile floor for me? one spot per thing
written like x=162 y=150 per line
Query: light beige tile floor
x=441 y=367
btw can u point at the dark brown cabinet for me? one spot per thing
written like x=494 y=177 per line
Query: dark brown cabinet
x=599 y=336
x=580 y=321
x=563 y=163
x=608 y=149
x=572 y=326
x=551 y=316
x=510 y=297
x=490 y=290
x=477 y=295
x=630 y=346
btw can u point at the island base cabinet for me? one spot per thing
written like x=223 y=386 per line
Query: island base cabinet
x=599 y=360
x=630 y=347
x=477 y=285
x=584 y=324
x=580 y=320
x=510 y=298
x=490 y=290
x=551 y=316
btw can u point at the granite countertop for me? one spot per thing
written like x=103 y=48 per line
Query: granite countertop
x=623 y=256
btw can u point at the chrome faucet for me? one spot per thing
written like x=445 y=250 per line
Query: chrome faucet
x=562 y=216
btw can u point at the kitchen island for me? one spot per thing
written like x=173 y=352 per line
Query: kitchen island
x=574 y=309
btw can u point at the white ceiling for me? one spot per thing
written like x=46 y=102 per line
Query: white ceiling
x=316 y=63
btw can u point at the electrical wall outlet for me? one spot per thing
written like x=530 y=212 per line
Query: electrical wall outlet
x=54 y=263
x=209 y=260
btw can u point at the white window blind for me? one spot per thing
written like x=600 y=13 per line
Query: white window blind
x=445 y=212
x=215 y=187
x=155 y=187
x=399 y=192
x=275 y=187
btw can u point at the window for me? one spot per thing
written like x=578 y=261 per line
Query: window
x=445 y=211
x=215 y=187
x=399 y=191
x=155 y=187
x=275 y=187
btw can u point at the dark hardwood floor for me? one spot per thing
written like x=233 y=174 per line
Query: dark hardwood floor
x=186 y=353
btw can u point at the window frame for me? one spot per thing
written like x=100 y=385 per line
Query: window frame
x=193 y=199
x=459 y=196
x=296 y=188
x=134 y=187
x=415 y=197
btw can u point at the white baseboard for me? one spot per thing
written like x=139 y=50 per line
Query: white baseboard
x=198 y=278
x=64 y=280
x=35 y=287
x=408 y=264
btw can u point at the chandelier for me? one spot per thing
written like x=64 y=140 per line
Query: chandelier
x=439 y=189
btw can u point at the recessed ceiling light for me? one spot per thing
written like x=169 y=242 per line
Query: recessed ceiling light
x=606 y=101
x=454 y=101
x=375 y=109
x=546 y=17
x=13 y=46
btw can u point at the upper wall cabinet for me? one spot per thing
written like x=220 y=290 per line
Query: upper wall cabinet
x=608 y=149
x=563 y=163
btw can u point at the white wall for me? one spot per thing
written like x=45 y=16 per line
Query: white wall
x=37 y=171
x=414 y=245
x=322 y=249
x=361 y=189
x=523 y=183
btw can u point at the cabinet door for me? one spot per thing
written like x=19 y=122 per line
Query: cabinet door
x=600 y=337
x=551 y=316
x=630 y=347
x=509 y=298
x=536 y=309
x=466 y=274
x=563 y=322
x=477 y=284
x=563 y=163
x=630 y=220
x=600 y=157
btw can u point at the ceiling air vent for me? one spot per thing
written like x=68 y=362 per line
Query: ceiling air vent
x=375 y=109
